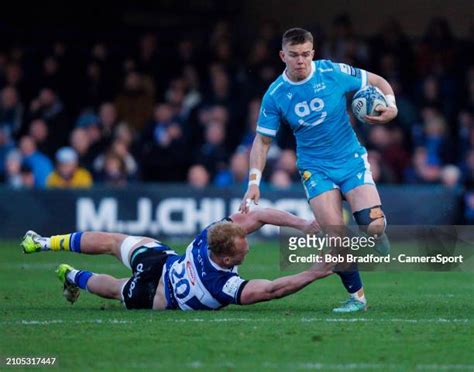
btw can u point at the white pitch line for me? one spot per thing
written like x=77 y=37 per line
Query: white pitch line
x=437 y=367
x=231 y=320
x=396 y=320
x=50 y=266
x=61 y=321
x=367 y=366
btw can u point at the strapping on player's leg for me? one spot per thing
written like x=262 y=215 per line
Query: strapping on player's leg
x=372 y=221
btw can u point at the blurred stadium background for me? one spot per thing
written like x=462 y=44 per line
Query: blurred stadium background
x=170 y=92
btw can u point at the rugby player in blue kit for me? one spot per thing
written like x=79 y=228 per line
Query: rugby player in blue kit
x=311 y=96
x=204 y=278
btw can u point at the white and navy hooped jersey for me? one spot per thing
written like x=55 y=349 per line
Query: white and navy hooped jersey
x=194 y=282
x=315 y=109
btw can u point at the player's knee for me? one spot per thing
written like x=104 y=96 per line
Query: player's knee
x=376 y=227
x=114 y=242
x=371 y=220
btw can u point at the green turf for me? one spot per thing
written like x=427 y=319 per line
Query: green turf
x=415 y=321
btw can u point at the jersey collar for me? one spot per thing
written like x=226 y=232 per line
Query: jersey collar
x=285 y=76
x=216 y=266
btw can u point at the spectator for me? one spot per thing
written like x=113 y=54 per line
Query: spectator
x=198 y=176
x=120 y=149
x=192 y=85
x=39 y=132
x=98 y=83
x=469 y=207
x=13 y=169
x=390 y=144
x=437 y=52
x=114 y=172
x=14 y=77
x=164 y=152
x=48 y=106
x=123 y=133
x=51 y=75
x=81 y=144
x=450 y=176
x=392 y=40
x=135 y=102
x=468 y=169
x=27 y=177
x=11 y=109
x=237 y=174
x=253 y=111
x=287 y=162
x=6 y=146
x=422 y=170
x=213 y=153
x=381 y=173
x=89 y=122
x=343 y=45
x=36 y=160
x=108 y=120
x=68 y=174
x=280 y=180
x=436 y=140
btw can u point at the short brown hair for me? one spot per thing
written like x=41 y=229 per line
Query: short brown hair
x=295 y=36
x=221 y=237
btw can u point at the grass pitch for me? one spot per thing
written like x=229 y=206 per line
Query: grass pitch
x=416 y=321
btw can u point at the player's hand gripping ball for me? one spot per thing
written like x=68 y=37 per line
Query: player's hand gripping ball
x=365 y=102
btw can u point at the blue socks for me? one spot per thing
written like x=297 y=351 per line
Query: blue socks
x=75 y=242
x=79 y=278
x=351 y=280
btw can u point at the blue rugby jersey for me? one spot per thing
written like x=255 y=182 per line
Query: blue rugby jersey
x=194 y=282
x=315 y=109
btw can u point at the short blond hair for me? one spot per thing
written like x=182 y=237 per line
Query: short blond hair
x=221 y=237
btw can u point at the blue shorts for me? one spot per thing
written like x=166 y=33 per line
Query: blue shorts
x=344 y=174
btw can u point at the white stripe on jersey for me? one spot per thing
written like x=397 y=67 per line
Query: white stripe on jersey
x=266 y=131
x=364 y=79
x=275 y=89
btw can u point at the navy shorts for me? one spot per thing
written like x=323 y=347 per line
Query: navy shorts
x=147 y=267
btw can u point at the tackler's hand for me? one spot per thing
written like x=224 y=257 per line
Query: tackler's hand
x=252 y=195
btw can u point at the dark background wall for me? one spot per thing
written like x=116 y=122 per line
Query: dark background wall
x=35 y=21
x=413 y=15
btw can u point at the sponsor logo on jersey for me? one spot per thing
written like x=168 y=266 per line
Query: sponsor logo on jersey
x=305 y=108
x=191 y=273
x=232 y=286
x=136 y=276
x=318 y=87
x=306 y=175
x=349 y=70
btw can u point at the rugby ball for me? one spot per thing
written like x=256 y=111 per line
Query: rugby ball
x=365 y=102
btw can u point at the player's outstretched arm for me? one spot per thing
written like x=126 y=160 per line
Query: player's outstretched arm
x=256 y=218
x=258 y=158
x=259 y=290
x=386 y=113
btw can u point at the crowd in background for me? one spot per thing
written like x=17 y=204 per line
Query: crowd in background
x=185 y=110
